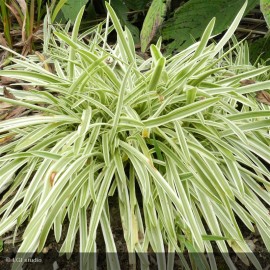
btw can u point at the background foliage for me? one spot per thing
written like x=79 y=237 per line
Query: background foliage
x=190 y=20
x=179 y=22
x=180 y=141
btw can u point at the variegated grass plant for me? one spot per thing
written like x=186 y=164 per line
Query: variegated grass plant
x=179 y=133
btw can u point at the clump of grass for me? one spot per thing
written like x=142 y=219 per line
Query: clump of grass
x=180 y=132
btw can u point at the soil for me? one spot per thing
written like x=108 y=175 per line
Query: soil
x=50 y=259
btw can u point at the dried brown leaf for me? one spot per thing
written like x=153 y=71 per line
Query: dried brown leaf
x=16 y=14
x=6 y=139
x=3 y=58
x=27 y=47
x=28 y=87
x=263 y=97
x=19 y=44
x=43 y=59
x=16 y=112
x=4 y=106
x=3 y=41
x=3 y=116
x=52 y=178
x=7 y=94
x=3 y=54
x=7 y=80
x=247 y=82
x=23 y=6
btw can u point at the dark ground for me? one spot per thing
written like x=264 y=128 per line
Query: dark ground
x=49 y=259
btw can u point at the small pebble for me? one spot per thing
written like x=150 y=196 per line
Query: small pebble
x=251 y=245
x=55 y=266
x=45 y=250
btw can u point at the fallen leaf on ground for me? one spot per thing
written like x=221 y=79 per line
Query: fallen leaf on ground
x=3 y=41
x=5 y=106
x=15 y=112
x=7 y=80
x=3 y=58
x=263 y=97
x=7 y=94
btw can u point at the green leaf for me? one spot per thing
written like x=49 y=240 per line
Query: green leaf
x=157 y=72
x=190 y=20
x=214 y=237
x=180 y=113
x=34 y=120
x=120 y=101
x=109 y=241
x=152 y=22
x=74 y=37
x=98 y=206
x=121 y=10
x=259 y=49
x=136 y=5
x=57 y=8
x=27 y=105
x=31 y=76
x=71 y=9
x=121 y=34
x=265 y=8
